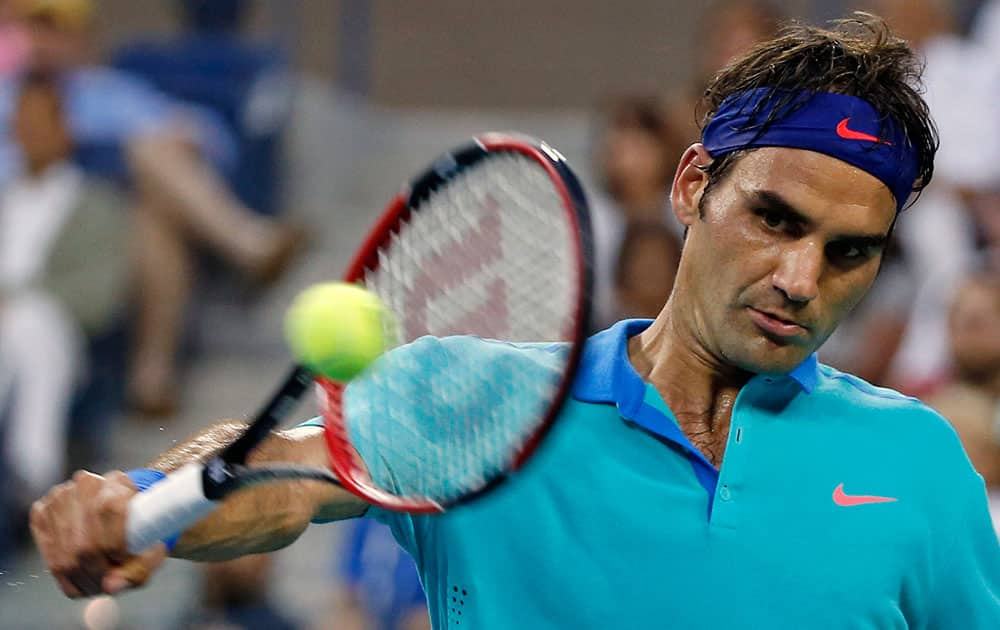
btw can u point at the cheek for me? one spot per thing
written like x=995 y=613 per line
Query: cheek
x=844 y=293
x=744 y=259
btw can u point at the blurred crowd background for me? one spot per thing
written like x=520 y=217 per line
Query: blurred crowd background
x=172 y=171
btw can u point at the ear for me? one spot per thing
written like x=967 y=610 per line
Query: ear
x=689 y=183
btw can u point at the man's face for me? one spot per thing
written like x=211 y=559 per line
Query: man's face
x=779 y=252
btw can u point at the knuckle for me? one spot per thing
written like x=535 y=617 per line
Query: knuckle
x=36 y=517
x=86 y=551
x=117 y=477
x=109 y=506
x=86 y=480
x=63 y=491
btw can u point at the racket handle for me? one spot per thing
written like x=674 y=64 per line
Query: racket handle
x=167 y=508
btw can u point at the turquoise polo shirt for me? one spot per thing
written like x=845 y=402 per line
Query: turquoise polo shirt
x=837 y=505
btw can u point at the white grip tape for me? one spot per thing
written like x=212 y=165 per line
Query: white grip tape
x=167 y=508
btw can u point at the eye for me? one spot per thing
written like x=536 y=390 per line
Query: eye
x=772 y=218
x=848 y=253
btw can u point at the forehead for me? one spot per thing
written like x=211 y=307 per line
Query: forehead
x=821 y=187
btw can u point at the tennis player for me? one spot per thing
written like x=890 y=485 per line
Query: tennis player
x=707 y=472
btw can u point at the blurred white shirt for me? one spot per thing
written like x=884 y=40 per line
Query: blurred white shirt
x=32 y=213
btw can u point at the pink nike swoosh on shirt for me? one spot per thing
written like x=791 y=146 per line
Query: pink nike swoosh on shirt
x=843 y=499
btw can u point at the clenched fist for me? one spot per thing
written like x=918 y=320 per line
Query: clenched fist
x=79 y=527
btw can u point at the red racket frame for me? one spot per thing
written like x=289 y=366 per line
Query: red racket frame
x=344 y=461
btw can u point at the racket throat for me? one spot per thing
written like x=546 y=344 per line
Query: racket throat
x=220 y=478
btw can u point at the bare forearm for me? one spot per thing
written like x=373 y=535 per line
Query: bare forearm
x=199 y=447
x=265 y=517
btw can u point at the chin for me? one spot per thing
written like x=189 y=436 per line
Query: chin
x=763 y=356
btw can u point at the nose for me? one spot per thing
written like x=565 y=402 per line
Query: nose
x=798 y=272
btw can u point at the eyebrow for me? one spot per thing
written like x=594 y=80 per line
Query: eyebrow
x=770 y=200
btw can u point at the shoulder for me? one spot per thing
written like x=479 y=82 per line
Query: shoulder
x=903 y=439
x=838 y=386
x=906 y=423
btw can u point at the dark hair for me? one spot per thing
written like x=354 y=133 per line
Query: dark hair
x=858 y=56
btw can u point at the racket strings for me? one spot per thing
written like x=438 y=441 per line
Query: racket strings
x=488 y=256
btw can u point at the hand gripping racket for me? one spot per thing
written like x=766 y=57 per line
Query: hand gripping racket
x=484 y=262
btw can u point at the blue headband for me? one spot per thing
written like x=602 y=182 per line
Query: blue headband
x=845 y=127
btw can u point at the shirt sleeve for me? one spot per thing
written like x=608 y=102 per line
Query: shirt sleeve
x=967 y=564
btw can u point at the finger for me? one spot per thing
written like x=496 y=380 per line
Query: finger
x=55 y=526
x=49 y=548
x=68 y=588
x=121 y=478
x=109 y=515
x=136 y=571
x=41 y=530
x=84 y=583
x=80 y=560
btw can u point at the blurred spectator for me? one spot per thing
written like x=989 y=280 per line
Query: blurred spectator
x=645 y=270
x=985 y=29
x=248 y=85
x=985 y=208
x=235 y=596
x=727 y=29
x=937 y=235
x=636 y=156
x=972 y=401
x=125 y=129
x=14 y=41
x=64 y=272
x=381 y=589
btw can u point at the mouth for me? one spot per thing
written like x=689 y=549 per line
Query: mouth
x=775 y=324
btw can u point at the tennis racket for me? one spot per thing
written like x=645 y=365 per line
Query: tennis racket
x=484 y=263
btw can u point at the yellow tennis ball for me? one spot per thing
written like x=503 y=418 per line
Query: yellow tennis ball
x=336 y=329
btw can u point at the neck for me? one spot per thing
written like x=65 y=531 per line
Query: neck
x=699 y=389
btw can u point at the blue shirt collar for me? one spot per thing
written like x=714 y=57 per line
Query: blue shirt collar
x=606 y=375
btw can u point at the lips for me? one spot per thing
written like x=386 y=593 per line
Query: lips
x=775 y=324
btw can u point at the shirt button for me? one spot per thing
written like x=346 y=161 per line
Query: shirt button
x=724 y=493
